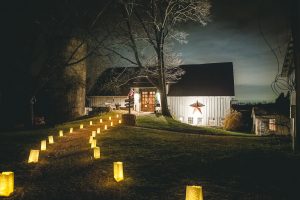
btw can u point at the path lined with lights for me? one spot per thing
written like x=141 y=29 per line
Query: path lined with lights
x=74 y=150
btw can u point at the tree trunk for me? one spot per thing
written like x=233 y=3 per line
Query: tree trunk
x=164 y=101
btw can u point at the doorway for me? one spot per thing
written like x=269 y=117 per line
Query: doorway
x=148 y=100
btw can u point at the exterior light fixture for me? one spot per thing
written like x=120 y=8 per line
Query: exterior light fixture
x=118 y=171
x=61 y=133
x=33 y=156
x=193 y=193
x=6 y=184
x=43 y=145
x=94 y=133
x=50 y=139
x=94 y=143
x=97 y=152
x=91 y=139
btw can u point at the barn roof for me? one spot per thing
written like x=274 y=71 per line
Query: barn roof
x=214 y=79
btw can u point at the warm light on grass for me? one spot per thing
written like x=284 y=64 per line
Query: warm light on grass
x=98 y=130
x=105 y=127
x=91 y=123
x=193 y=193
x=97 y=152
x=81 y=126
x=61 y=133
x=71 y=130
x=94 y=143
x=33 y=156
x=120 y=121
x=43 y=145
x=6 y=184
x=109 y=118
x=118 y=171
x=100 y=120
x=94 y=133
x=50 y=139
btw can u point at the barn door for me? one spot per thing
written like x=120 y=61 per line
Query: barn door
x=148 y=101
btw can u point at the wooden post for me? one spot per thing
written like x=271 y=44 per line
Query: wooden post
x=295 y=19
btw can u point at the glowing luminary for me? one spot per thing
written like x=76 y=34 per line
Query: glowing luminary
x=91 y=123
x=43 y=145
x=118 y=171
x=81 y=126
x=34 y=156
x=111 y=124
x=120 y=121
x=98 y=130
x=50 y=139
x=100 y=120
x=94 y=143
x=6 y=184
x=193 y=192
x=109 y=118
x=71 y=130
x=61 y=133
x=91 y=139
x=94 y=133
x=105 y=127
x=117 y=115
x=97 y=152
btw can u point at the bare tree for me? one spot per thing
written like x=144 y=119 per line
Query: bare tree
x=150 y=26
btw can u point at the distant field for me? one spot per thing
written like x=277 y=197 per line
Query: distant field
x=161 y=156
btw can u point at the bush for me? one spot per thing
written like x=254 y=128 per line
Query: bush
x=233 y=121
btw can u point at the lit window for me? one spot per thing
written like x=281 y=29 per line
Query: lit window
x=272 y=125
x=190 y=120
x=199 y=121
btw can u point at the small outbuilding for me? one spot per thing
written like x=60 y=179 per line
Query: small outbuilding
x=267 y=121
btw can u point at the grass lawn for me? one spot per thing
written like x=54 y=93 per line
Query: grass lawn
x=160 y=157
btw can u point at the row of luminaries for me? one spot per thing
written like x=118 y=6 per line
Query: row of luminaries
x=7 y=178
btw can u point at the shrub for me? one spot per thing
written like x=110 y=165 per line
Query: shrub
x=233 y=121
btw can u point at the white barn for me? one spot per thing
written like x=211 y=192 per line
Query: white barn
x=201 y=97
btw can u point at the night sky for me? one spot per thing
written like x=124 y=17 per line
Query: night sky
x=233 y=35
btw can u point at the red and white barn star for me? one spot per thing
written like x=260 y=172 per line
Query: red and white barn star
x=197 y=106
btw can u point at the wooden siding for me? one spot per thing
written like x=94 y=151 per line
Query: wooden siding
x=100 y=101
x=213 y=112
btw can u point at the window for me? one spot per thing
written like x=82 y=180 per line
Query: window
x=190 y=120
x=272 y=125
x=199 y=121
x=211 y=121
